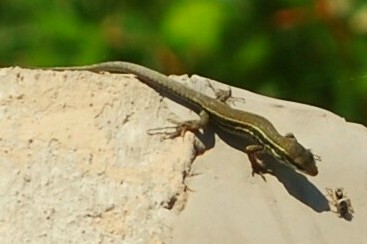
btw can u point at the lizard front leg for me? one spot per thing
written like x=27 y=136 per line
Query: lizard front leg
x=253 y=152
x=225 y=96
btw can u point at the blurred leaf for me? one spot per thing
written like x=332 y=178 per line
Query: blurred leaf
x=254 y=52
x=195 y=24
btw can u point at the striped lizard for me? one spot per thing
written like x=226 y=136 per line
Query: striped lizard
x=239 y=123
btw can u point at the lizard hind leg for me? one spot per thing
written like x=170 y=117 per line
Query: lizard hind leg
x=181 y=128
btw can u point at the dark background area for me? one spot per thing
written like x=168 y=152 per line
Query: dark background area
x=312 y=52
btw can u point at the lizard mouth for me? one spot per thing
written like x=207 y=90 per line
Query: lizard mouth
x=313 y=171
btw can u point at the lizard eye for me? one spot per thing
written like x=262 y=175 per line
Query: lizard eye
x=290 y=135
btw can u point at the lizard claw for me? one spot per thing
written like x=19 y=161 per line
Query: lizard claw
x=257 y=168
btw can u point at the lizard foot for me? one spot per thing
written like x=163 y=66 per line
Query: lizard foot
x=179 y=129
x=225 y=96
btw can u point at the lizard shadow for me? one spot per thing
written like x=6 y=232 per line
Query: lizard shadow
x=296 y=184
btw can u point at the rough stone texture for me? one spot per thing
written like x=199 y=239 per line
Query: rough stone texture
x=77 y=166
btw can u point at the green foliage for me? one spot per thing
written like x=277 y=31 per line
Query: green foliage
x=194 y=25
x=308 y=51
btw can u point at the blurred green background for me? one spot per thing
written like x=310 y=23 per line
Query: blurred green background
x=313 y=52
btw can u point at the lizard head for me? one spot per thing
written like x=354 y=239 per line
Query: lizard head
x=301 y=158
x=304 y=161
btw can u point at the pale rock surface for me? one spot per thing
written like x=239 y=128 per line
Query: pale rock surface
x=77 y=166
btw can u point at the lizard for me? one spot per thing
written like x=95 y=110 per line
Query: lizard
x=236 y=122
